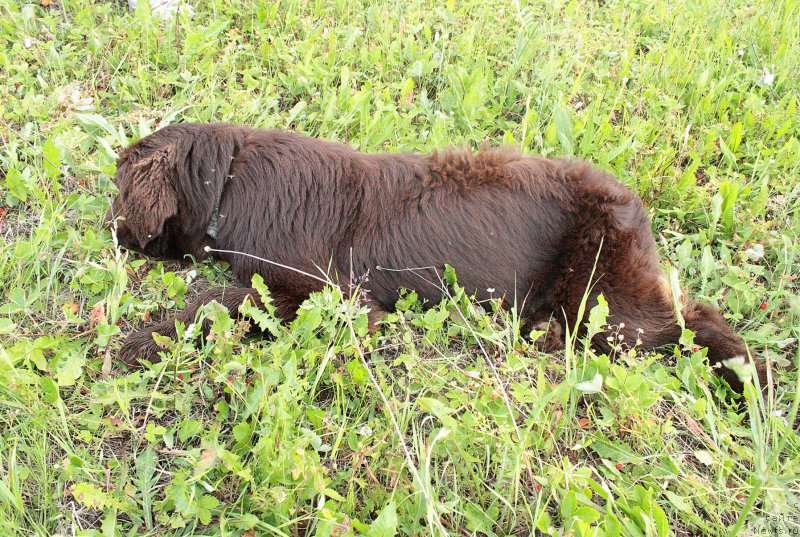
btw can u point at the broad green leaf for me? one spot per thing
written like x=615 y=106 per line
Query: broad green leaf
x=597 y=317
x=563 y=122
x=49 y=390
x=6 y=326
x=385 y=524
x=70 y=367
x=704 y=456
x=52 y=159
x=440 y=410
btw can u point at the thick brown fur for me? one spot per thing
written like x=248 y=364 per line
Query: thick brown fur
x=528 y=228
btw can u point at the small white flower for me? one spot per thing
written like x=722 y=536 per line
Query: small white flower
x=779 y=414
x=766 y=77
x=166 y=9
x=28 y=42
x=490 y=289
x=187 y=9
x=740 y=53
x=366 y=430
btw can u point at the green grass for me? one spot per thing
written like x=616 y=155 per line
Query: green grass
x=446 y=421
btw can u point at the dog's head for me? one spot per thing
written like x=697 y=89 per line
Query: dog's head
x=169 y=185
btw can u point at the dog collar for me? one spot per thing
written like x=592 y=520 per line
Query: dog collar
x=212 y=229
x=213 y=223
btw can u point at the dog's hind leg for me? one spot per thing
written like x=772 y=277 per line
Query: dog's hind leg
x=711 y=331
x=643 y=312
x=553 y=338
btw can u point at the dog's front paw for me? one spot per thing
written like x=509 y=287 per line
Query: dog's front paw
x=139 y=346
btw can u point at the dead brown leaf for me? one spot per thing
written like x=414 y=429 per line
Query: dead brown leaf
x=98 y=315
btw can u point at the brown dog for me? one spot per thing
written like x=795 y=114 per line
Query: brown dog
x=528 y=229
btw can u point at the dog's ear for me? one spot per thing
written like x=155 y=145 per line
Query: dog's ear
x=151 y=198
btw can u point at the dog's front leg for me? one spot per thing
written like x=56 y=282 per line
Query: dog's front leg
x=140 y=345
